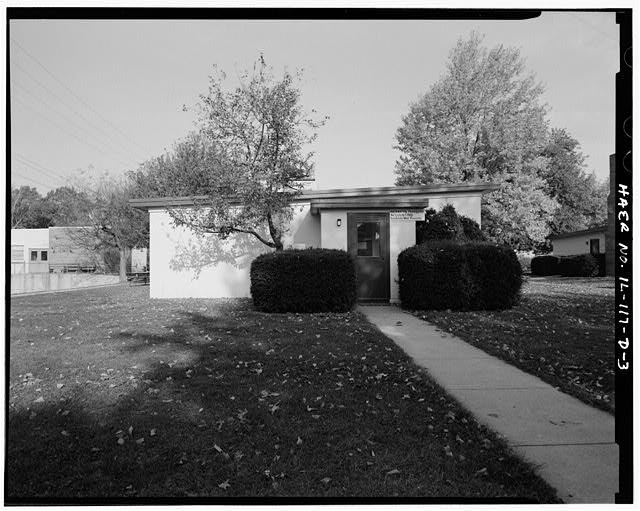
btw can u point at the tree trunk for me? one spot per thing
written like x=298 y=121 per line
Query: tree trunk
x=124 y=252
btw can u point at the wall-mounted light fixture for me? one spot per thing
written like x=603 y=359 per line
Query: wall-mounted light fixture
x=339 y=222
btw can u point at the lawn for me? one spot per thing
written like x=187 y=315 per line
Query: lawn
x=562 y=331
x=113 y=394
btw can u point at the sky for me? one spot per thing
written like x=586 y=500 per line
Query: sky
x=107 y=95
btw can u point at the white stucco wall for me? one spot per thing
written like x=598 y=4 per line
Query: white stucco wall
x=402 y=234
x=31 y=239
x=577 y=244
x=186 y=265
x=333 y=236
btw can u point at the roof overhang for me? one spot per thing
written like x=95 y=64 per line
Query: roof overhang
x=593 y=230
x=345 y=198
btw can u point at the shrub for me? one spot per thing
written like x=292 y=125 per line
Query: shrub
x=545 y=265
x=448 y=275
x=312 y=280
x=447 y=225
x=583 y=265
x=471 y=230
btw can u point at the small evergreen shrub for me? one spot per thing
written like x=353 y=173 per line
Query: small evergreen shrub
x=444 y=225
x=545 y=265
x=312 y=280
x=447 y=225
x=471 y=230
x=448 y=275
x=583 y=265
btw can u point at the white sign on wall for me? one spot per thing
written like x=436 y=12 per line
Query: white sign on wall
x=406 y=215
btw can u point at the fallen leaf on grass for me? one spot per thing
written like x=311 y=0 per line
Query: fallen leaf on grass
x=393 y=472
x=325 y=480
x=153 y=432
x=120 y=441
x=224 y=485
x=299 y=441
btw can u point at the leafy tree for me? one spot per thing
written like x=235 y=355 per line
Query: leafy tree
x=186 y=171
x=28 y=210
x=582 y=199
x=446 y=224
x=483 y=120
x=248 y=158
x=67 y=206
x=111 y=221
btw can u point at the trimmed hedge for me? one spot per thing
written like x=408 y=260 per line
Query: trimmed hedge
x=312 y=280
x=448 y=275
x=583 y=265
x=542 y=266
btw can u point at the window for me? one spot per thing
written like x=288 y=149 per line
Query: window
x=594 y=246
x=43 y=255
x=34 y=255
x=369 y=239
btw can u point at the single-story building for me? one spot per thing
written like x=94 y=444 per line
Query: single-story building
x=29 y=251
x=62 y=249
x=587 y=241
x=373 y=224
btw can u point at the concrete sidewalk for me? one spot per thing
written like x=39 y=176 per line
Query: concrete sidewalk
x=570 y=443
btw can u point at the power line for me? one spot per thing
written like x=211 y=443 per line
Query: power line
x=68 y=119
x=68 y=105
x=126 y=137
x=41 y=171
x=32 y=180
x=25 y=104
x=33 y=162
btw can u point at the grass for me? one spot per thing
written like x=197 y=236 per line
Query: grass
x=115 y=395
x=562 y=331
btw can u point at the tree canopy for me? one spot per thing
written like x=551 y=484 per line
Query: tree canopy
x=582 y=199
x=249 y=156
x=485 y=120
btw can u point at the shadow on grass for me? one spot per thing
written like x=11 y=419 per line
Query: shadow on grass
x=231 y=405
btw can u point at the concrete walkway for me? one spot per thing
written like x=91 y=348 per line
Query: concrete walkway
x=570 y=443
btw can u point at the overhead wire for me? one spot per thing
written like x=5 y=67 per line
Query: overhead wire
x=71 y=121
x=126 y=137
x=40 y=170
x=38 y=112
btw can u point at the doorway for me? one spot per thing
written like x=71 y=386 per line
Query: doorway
x=368 y=244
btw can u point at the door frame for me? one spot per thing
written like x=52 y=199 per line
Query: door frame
x=353 y=217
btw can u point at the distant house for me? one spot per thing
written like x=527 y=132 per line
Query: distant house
x=62 y=250
x=373 y=224
x=588 y=241
x=29 y=250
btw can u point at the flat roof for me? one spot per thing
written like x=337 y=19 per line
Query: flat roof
x=394 y=196
x=592 y=230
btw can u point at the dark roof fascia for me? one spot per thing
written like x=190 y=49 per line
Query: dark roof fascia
x=400 y=190
x=370 y=203
x=563 y=235
x=337 y=193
